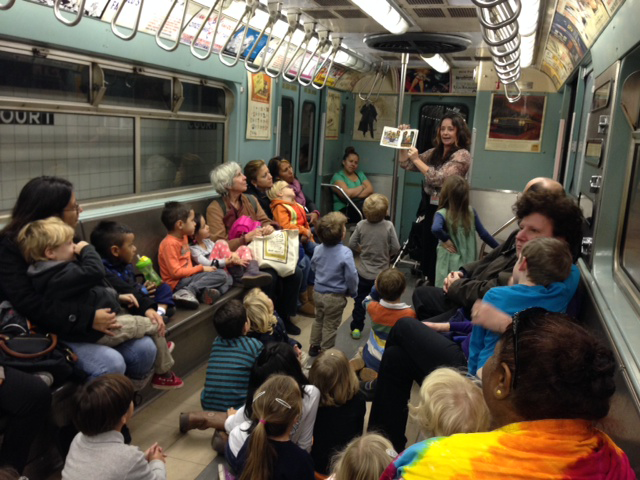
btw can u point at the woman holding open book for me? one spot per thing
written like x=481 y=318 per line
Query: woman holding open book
x=450 y=156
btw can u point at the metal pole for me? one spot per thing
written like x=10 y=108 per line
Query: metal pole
x=396 y=163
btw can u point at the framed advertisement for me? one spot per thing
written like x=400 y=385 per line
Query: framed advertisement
x=259 y=106
x=516 y=127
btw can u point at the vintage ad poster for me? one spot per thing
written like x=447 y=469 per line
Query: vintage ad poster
x=587 y=16
x=92 y=8
x=372 y=116
x=463 y=81
x=332 y=129
x=612 y=6
x=557 y=62
x=516 y=127
x=334 y=75
x=425 y=80
x=259 y=106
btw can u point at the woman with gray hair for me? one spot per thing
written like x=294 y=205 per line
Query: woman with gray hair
x=228 y=180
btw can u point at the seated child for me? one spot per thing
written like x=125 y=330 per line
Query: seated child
x=189 y=282
x=269 y=453
x=450 y=403
x=240 y=264
x=265 y=324
x=543 y=276
x=103 y=407
x=114 y=243
x=377 y=242
x=352 y=462
x=62 y=270
x=385 y=308
x=342 y=407
x=336 y=277
x=231 y=359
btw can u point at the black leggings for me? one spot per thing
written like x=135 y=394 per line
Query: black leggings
x=25 y=400
x=280 y=291
x=412 y=352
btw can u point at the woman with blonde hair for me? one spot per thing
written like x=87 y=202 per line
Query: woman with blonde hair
x=269 y=453
x=365 y=458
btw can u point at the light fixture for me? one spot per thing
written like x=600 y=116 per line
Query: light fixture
x=385 y=14
x=437 y=62
x=527 y=45
x=527 y=27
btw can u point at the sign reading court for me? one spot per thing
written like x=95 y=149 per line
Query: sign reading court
x=21 y=117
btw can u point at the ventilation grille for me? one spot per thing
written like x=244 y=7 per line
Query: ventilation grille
x=318 y=14
x=421 y=43
x=462 y=12
x=351 y=13
x=429 y=12
x=482 y=59
x=425 y=2
x=463 y=59
x=334 y=3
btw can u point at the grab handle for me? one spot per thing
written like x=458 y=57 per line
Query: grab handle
x=215 y=32
x=114 y=22
x=7 y=5
x=323 y=41
x=335 y=42
x=309 y=32
x=59 y=16
x=161 y=44
x=249 y=12
x=274 y=13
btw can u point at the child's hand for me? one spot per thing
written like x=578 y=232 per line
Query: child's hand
x=208 y=269
x=489 y=317
x=234 y=259
x=313 y=218
x=155 y=453
x=304 y=239
x=155 y=317
x=449 y=246
x=128 y=300
x=296 y=349
x=231 y=412
x=452 y=278
x=150 y=286
x=77 y=248
x=438 y=326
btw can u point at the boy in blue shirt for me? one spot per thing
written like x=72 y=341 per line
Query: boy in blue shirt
x=336 y=278
x=543 y=276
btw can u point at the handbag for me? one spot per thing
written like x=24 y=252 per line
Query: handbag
x=279 y=250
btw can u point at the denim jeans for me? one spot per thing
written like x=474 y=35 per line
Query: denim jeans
x=134 y=358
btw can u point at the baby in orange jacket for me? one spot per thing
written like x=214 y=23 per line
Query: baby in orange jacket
x=290 y=214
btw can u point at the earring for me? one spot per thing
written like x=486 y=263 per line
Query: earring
x=499 y=392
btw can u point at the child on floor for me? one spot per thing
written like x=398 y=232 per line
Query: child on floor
x=336 y=278
x=353 y=462
x=291 y=215
x=385 y=309
x=265 y=324
x=232 y=356
x=544 y=276
x=190 y=283
x=377 y=242
x=103 y=407
x=342 y=407
x=62 y=270
x=455 y=224
x=269 y=453
x=114 y=242
x=240 y=264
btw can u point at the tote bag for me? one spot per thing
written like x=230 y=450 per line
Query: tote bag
x=279 y=251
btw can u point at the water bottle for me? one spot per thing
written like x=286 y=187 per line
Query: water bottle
x=145 y=266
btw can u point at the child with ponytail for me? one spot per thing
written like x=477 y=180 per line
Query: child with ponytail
x=269 y=453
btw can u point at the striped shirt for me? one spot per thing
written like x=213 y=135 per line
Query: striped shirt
x=228 y=370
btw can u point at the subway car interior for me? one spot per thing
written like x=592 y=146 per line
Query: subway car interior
x=135 y=102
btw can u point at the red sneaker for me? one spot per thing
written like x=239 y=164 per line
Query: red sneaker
x=166 y=383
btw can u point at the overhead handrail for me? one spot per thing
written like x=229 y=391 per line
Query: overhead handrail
x=293 y=18
x=201 y=28
x=114 y=22
x=59 y=16
x=381 y=72
x=159 y=41
x=7 y=5
x=503 y=10
x=309 y=32
x=335 y=48
x=323 y=41
x=274 y=14
x=249 y=12
x=346 y=197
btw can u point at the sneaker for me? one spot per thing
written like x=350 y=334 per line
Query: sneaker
x=368 y=389
x=314 y=350
x=292 y=328
x=166 y=383
x=210 y=295
x=171 y=346
x=356 y=334
x=368 y=374
x=185 y=299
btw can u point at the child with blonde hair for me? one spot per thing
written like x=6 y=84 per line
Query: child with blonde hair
x=269 y=453
x=365 y=458
x=449 y=403
x=342 y=407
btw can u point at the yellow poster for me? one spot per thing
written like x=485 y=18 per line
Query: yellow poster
x=332 y=130
x=259 y=86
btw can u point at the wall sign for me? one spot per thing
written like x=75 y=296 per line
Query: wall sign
x=21 y=117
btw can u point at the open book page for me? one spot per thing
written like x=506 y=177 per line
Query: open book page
x=396 y=138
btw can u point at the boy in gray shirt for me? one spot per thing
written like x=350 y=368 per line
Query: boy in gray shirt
x=376 y=240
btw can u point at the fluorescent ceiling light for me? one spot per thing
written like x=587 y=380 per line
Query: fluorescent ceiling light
x=385 y=14
x=437 y=62
x=528 y=18
x=527 y=45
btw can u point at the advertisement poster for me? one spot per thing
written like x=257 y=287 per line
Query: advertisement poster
x=371 y=117
x=334 y=75
x=259 y=106
x=247 y=43
x=587 y=16
x=92 y=8
x=332 y=129
x=516 y=127
x=557 y=63
x=425 y=80
x=462 y=80
x=566 y=33
x=612 y=6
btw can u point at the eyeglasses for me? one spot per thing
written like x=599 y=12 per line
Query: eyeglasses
x=521 y=320
x=75 y=208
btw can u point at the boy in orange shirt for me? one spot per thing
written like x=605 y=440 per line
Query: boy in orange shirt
x=190 y=283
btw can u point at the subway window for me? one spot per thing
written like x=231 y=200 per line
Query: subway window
x=286 y=139
x=203 y=99
x=130 y=89
x=630 y=246
x=307 y=130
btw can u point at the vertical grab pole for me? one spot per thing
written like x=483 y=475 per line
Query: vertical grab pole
x=394 y=185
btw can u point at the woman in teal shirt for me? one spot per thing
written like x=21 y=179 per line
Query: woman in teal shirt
x=353 y=182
